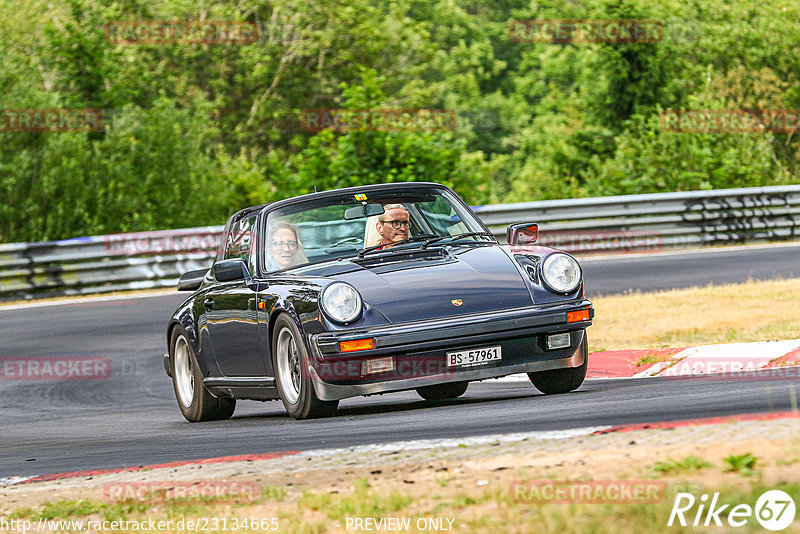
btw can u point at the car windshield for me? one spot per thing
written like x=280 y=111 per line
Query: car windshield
x=344 y=226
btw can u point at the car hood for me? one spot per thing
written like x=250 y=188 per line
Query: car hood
x=439 y=282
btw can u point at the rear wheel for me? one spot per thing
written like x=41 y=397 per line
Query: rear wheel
x=290 y=362
x=562 y=380
x=194 y=400
x=451 y=390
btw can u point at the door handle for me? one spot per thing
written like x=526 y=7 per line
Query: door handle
x=209 y=302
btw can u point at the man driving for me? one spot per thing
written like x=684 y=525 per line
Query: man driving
x=393 y=224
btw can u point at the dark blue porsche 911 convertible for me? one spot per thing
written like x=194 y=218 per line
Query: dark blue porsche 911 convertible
x=368 y=290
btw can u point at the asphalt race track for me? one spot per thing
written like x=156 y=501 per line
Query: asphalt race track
x=131 y=418
x=670 y=270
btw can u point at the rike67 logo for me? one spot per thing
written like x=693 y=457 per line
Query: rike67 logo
x=774 y=510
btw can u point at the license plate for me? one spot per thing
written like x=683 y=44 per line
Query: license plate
x=473 y=356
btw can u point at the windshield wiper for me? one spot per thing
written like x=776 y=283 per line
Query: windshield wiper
x=456 y=237
x=421 y=237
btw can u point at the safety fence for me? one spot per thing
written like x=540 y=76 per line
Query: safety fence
x=601 y=225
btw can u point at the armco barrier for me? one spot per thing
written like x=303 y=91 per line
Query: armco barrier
x=657 y=221
x=104 y=263
x=586 y=225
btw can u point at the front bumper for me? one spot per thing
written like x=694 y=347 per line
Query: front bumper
x=418 y=350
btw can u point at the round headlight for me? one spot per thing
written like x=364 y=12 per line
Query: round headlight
x=561 y=273
x=341 y=302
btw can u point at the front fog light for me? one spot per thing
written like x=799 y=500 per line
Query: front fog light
x=558 y=341
x=378 y=365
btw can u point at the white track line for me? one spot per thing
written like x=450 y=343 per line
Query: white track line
x=524 y=378
x=640 y=255
x=10 y=481
x=81 y=300
x=419 y=444
x=541 y=435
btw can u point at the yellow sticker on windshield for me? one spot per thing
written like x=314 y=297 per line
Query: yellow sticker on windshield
x=360 y=196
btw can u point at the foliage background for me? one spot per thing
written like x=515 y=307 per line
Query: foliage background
x=195 y=132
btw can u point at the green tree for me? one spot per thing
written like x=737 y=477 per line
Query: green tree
x=333 y=160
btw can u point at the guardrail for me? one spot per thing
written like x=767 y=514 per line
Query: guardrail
x=101 y=264
x=649 y=222
x=657 y=221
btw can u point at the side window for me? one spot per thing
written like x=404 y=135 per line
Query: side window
x=240 y=239
x=220 y=255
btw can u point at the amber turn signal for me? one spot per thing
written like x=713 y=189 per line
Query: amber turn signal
x=577 y=316
x=356 y=344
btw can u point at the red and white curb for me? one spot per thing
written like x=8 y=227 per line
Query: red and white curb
x=728 y=359
x=469 y=441
x=541 y=435
x=10 y=481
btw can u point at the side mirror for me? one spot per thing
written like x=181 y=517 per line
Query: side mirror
x=231 y=270
x=522 y=233
x=192 y=280
x=362 y=211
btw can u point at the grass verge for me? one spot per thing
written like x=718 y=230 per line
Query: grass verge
x=495 y=509
x=753 y=311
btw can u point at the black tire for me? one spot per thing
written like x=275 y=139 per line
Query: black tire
x=194 y=400
x=290 y=365
x=451 y=390
x=562 y=380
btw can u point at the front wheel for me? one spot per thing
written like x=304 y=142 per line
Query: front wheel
x=562 y=380
x=451 y=390
x=290 y=363
x=194 y=400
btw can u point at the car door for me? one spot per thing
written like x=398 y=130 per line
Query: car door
x=232 y=311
